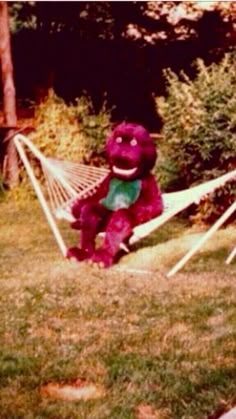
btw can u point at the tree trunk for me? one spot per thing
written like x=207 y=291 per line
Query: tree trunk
x=10 y=166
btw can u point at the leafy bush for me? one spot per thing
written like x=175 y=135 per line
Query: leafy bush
x=70 y=132
x=199 y=131
x=73 y=132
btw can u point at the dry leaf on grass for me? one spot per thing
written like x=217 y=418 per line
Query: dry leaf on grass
x=78 y=390
x=145 y=411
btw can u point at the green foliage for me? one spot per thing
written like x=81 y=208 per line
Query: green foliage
x=73 y=132
x=199 y=133
x=69 y=132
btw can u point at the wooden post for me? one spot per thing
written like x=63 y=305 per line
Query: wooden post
x=9 y=100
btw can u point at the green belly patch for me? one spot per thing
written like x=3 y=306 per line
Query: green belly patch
x=121 y=194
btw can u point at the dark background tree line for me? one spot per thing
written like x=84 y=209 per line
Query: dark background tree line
x=113 y=50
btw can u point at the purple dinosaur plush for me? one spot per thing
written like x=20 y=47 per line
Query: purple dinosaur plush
x=127 y=197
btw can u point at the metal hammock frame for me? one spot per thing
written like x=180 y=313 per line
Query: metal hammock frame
x=67 y=181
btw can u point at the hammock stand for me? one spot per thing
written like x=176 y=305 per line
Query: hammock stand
x=68 y=181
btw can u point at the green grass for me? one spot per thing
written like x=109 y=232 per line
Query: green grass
x=161 y=345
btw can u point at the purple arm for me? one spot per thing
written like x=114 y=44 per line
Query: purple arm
x=149 y=203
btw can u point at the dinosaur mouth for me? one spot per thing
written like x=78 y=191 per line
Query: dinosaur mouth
x=124 y=172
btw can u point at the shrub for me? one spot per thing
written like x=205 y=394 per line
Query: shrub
x=70 y=132
x=73 y=132
x=199 y=131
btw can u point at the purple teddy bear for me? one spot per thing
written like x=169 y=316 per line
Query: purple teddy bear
x=128 y=196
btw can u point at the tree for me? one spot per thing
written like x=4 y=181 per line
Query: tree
x=117 y=48
x=10 y=166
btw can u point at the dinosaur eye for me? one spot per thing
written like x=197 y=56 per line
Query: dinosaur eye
x=119 y=140
x=133 y=142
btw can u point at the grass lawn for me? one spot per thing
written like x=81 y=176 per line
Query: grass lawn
x=158 y=348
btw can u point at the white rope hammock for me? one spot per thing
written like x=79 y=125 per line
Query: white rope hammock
x=67 y=181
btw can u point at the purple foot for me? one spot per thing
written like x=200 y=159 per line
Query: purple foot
x=77 y=254
x=102 y=258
